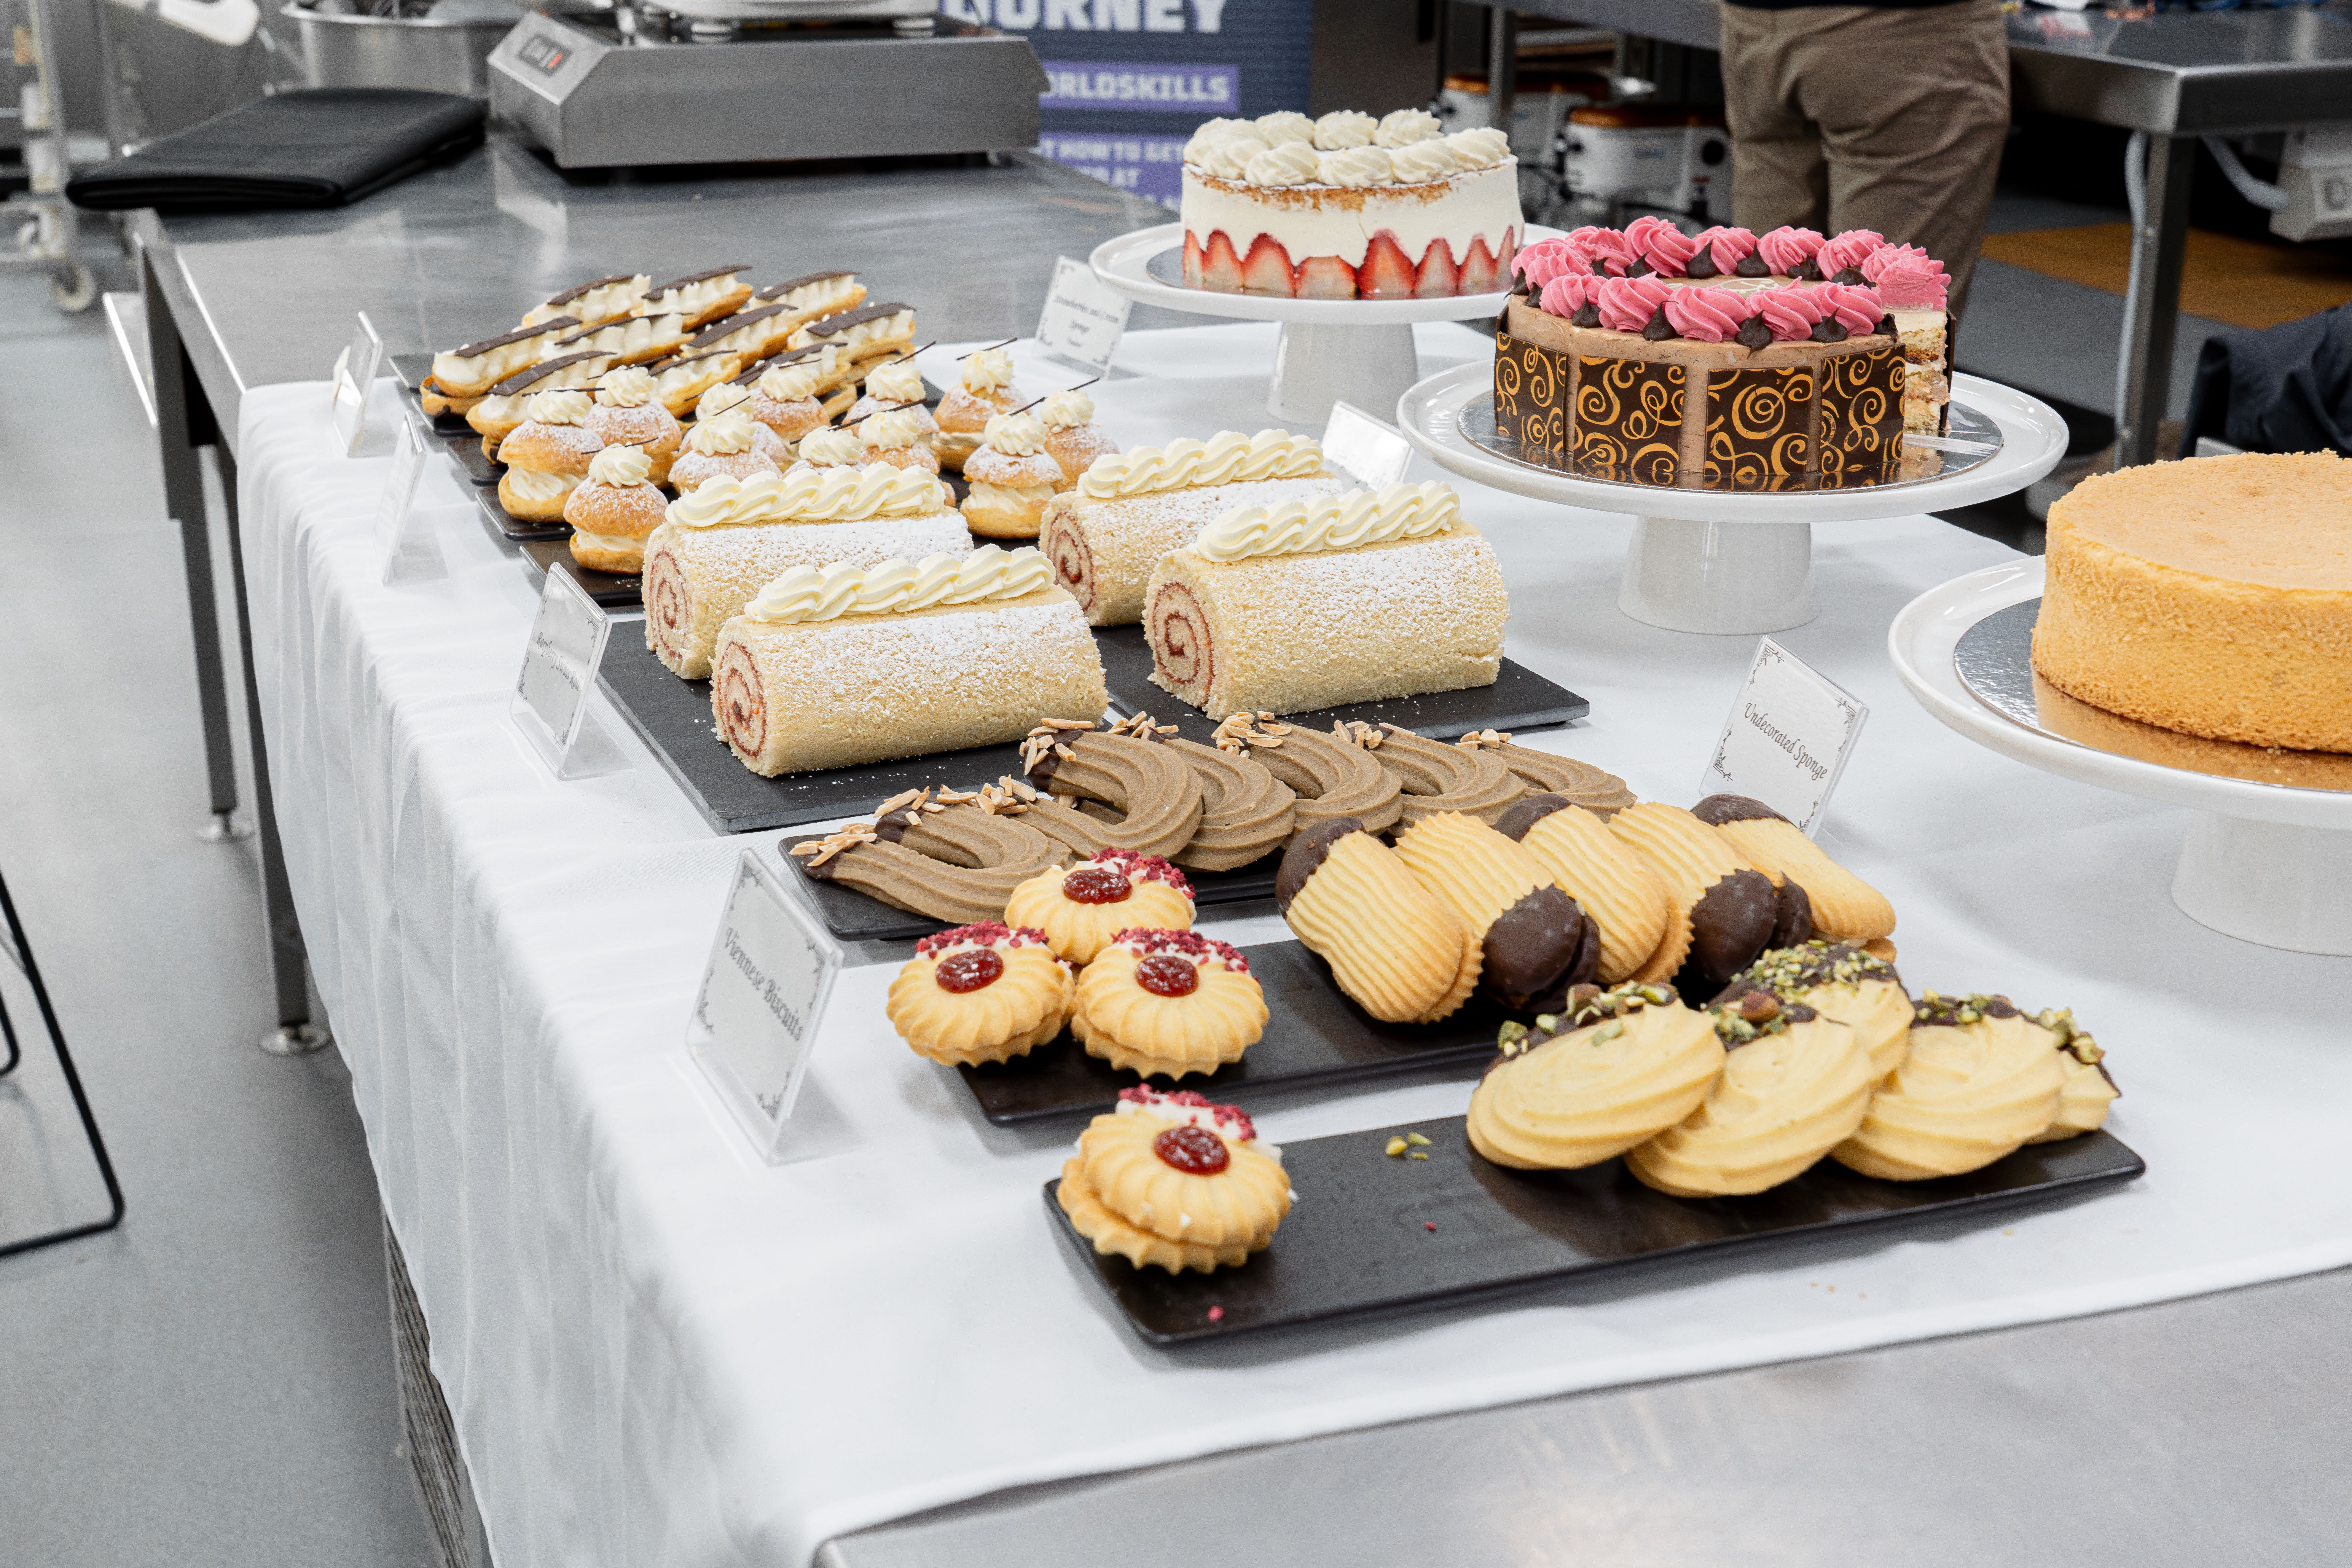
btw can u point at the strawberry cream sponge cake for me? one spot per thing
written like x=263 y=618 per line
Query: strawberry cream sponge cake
x=1349 y=206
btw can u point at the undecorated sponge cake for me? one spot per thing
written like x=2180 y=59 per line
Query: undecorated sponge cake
x=2211 y=597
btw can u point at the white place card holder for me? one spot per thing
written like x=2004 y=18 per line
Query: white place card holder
x=1786 y=744
x=1369 y=449
x=1084 y=317
x=411 y=551
x=354 y=372
x=559 y=671
x=763 y=997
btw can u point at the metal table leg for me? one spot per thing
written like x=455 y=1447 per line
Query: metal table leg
x=295 y=1034
x=184 y=495
x=2152 y=302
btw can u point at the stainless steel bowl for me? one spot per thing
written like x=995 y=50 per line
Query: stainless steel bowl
x=397 y=51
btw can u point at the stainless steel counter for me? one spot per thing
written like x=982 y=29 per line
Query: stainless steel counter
x=2199 y=1432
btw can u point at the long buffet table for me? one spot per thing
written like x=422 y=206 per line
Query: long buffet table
x=659 y=1349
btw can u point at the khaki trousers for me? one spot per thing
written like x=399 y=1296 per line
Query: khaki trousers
x=1848 y=117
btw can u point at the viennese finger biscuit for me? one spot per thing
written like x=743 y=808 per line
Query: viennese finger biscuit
x=1844 y=905
x=1616 y=886
x=1726 y=909
x=1535 y=941
x=1392 y=945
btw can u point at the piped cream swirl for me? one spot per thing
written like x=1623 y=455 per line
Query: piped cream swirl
x=1226 y=457
x=1290 y=163
x=631 y=387
x=1065 y=410
x=898 y=381
x=1330 y=522
x=833 y=448
x=985 y=370
x=1015 y=434
x=810 y=495
x=1357 y=168
x=1404 y=127
x=890 y=429
x=622 y=467
x=721 y=435
x=1345 y=128
x=791 y=382
x=568 y=406
x=1230 y=159
x=896 y=586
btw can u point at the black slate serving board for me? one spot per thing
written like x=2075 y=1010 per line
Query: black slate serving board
x=1520 y=699
x=1359 y=1242
x=505 y=525
x=410 y=371
x=673 y=717
x=858 y=917
x=1314 y=1035
x=610 y=589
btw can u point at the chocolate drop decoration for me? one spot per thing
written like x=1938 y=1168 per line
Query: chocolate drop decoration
x=1660 y=329
x=1807 y=271
x=1753 y=333
x=1829 y=330
x=1526 y=811
x=1532 y=946
x=1886 y=325
x=1850 y=276
x=1306 y=857
x=1731 y=923
x=1702 y=263
x=1793 y=924
x=1717 y=809
x=1751 y=266
x=1640 y=268
x=1587 y=315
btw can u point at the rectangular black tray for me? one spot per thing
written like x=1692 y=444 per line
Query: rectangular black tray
x=1360 y=1240
x=673 y=717
x=410 y=371
x=609 y=589
x=1520 y=699
x=859 y=916
x=1314 y=1035
x=505 y=525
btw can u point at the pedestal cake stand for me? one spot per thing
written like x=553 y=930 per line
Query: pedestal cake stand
x=1361 y=350
x=2269 y=854
x=1736 y=561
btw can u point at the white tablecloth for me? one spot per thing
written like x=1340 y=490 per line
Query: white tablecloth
x=660 y=1349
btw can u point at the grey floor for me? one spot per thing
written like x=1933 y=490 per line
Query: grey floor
x=210 y=1384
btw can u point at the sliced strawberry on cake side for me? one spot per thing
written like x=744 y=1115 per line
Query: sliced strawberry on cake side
x=1438 y=275
x=1385 y=274
x=1325 y=278
x=1267 y=268
x=1480 y=269
x=1220 y=268
x=1193 y=258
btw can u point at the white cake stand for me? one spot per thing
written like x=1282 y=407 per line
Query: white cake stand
x=1360 y=350
x=2263 y=862
x=1707 y=561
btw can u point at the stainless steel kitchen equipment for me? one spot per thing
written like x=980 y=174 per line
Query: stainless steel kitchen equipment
x=759 y=81
x=435 y=53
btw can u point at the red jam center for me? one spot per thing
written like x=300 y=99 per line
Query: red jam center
x=1096 y=885
x=1195 y=1151
x=1165 y=975
x=969 y=970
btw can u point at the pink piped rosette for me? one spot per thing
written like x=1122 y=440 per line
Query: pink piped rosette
x=1628 y=304
x=1599 y=251
x=1569 y=293
x=1786 y=250
x=1665 y=247
x=1852 y=306
x=1708 y=315
x=1847 y=252
x=1792 y=313
x=1727 y=246
x=1544 y=260
x=1906 y=278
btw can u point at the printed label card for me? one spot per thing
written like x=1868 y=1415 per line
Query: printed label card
x=1790 y=733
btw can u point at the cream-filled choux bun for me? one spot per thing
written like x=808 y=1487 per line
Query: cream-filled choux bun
x=1615 y=1070
x=831 y=447
x=986 y=391
x=1012 y=476
x=1071 y=436
x=897 y=385
x=615 y=510
x=890 y=437
x=784 y=398
x=547 y=456
x=627 y=411
x=732 y=398
x=726 y=445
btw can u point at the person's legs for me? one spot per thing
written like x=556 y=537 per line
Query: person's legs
x=1913 y=107
x=1779 y=176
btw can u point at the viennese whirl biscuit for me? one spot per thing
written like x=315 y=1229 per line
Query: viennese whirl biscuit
x=1393 y=945
x=1174 y=1182
x=1844 y=905
x=1617 y=1068
x=1730 y=909
x=1609 y=879
x=1795 y=1086
x=980 y=994
x=1535 y=941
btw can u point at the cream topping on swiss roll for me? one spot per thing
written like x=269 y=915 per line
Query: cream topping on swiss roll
x=898 y=381
x=896 y=586
x=1014 y=434
x=631 y=387
x=719 y=435
x=985 y=370
x=1330 y=522
x=567 y=406
x=1226 y=457
x=890 y=429
x=621 y=466
x=1064 y=411
x=833 y=448
x=810 y=495
x=791 y=382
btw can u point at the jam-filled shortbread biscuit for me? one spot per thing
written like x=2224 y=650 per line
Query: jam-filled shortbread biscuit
x=1167 y=1003
x=1174 y=1182
x=1082 y=909
x=980 y=993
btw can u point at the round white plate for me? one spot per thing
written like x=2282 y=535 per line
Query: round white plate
x=1921 y=640
x=2033 y=438
x=1124 y=263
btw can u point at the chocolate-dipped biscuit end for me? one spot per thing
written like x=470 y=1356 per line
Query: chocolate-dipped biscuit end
x=1532 y=946
x=1526 y=812
x=1730 y=924
x=1306 y=857
x=1792 y=924
x=1717 y=809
